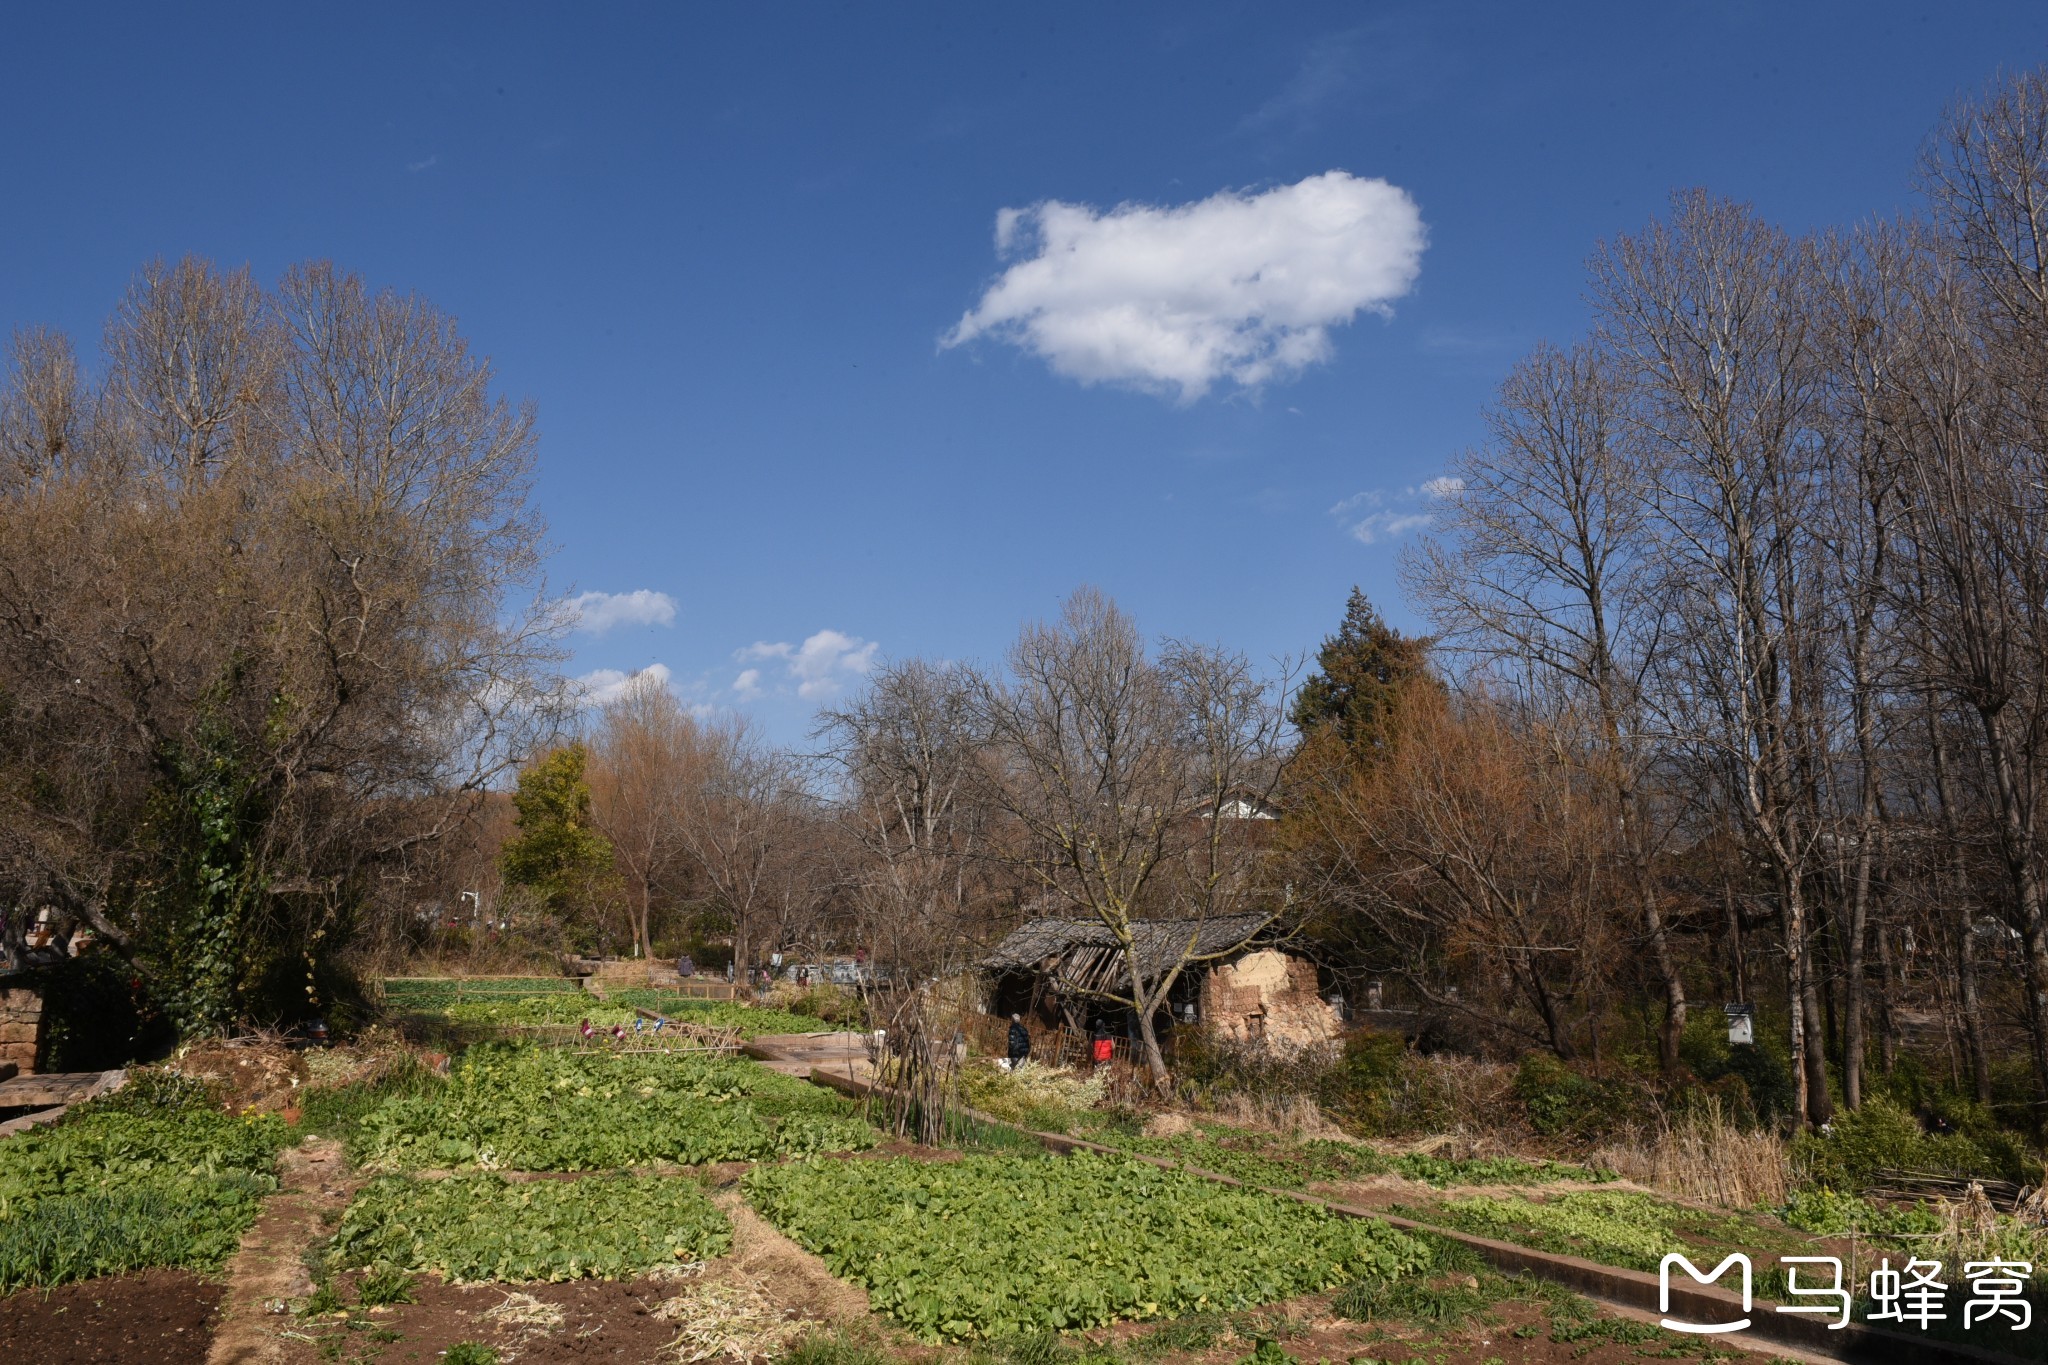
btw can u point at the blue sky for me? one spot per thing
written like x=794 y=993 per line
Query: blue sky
x=721 y=247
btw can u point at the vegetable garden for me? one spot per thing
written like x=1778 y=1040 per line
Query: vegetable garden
x=539 y=1173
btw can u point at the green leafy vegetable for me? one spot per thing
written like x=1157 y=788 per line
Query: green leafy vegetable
x=483 y=1227
x=160 y=1180
x=995 y=1246
x=539 y=1109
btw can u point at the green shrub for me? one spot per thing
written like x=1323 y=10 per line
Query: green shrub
x=1265 y=1159
x=482 y=1227
x=1828 y=1214
x=338 y=1111
x=1359 y=1089
x=1881 y=1136
x=1618 y=1227
x=1208 y=1067
x=469 y=1353
x=834 y=1348
x=831 y=1005
x=1562 y=1102
x=1412 y=1299
x=191 y=1224
x=385 y=1285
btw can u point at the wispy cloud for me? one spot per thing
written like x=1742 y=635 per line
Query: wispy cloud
x=815 y=669
x=1240 y=286
x=1326 y=71
x=597 y=612
x=1381 y=514
x=417 y=166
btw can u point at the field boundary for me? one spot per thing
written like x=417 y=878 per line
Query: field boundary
x=1629 y=1289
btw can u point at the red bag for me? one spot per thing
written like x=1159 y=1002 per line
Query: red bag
x=1103 y=1047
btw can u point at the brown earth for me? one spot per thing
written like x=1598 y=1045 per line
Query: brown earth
x=156 y=1317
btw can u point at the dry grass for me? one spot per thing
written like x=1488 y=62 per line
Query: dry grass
x=527 y=1313
x=733 y=1319
x=1706 y=1158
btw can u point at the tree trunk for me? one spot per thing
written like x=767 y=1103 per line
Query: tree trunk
x=1972 y=1004
x=1148 y=1036
x=1820 y=1105
x=1963 y=900
x=2017 y=838
x=1738 y=968
x=1887 y=1021
x=1673 y=1029
x=1852 y=985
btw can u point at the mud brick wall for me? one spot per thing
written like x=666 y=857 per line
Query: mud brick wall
x=1268 y=997
x=21 y=1027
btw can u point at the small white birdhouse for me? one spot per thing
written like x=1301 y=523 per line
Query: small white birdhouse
x=1741 y=1023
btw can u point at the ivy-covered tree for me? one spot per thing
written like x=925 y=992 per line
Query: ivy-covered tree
x=1362 y=673
x=272 y=623
x=558 y=851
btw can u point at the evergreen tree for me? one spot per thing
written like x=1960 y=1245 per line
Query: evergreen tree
x=558 y=851
x=1363 y=672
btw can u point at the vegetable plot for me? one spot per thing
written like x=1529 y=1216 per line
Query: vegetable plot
x=539 y=1109
x=534 y=1008
x=483 y=1227
x=1286 y=1163
x=117 y=1187
x=992 y=1246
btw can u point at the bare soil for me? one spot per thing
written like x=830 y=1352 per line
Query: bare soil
x=156 y=1317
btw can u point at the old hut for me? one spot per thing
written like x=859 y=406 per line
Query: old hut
x=1238 y=982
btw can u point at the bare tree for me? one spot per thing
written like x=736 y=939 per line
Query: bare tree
x=1545 y=566
x=741 y=817
x=908 y=755
x=1710 y=317
x=647 y=754
x=1125 y=774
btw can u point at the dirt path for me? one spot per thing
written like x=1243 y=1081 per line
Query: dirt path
x=270 y=1268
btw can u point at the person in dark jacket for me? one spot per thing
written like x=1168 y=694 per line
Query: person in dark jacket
x=1020 y=1040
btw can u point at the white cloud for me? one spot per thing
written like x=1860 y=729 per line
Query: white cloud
x=817 y=667
x=598 y=612
x=601 y=686
x=1388 y=514
x=1239 y=286
x=417 y=166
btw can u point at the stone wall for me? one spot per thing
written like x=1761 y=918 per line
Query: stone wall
x=21 y=1028
x=1268 y=997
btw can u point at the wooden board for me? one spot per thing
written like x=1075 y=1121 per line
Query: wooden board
x=57 y=1087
